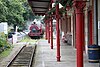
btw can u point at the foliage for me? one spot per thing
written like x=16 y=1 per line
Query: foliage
x=15 y=11
x=5 y=53
x=28 y=15
x=3 y=40
x=3 y=11
x=38 y=17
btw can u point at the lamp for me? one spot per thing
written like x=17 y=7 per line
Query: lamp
x=53 y=5
x=60 y=6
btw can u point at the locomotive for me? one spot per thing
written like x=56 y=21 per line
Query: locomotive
x=36 y=32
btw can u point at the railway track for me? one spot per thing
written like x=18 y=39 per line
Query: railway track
x=23 y=58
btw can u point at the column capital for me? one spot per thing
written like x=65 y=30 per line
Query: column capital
x=79 y=4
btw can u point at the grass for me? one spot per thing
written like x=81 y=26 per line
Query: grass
x=5 y=53
x=28 y=39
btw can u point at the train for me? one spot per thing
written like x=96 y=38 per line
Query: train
x=36 y=31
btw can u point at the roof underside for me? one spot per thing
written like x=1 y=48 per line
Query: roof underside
x=39 y=7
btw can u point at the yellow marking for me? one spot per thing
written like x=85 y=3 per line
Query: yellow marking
x=93 y=49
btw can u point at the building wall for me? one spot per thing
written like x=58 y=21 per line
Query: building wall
x=64 y=24
x=99 y=10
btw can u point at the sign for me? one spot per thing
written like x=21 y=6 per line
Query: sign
x=98 y=24
x=4 y=27
x=14 y=39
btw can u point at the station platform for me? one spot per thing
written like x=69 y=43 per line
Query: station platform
x=46 y=57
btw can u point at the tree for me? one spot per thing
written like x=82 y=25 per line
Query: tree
x=28 y=15
x=3 y=11
x=15 y=11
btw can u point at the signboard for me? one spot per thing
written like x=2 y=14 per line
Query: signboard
x=98 y=24
x=14 y=39
x=4 y=27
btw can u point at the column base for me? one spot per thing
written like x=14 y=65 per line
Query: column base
x=58 y=58
x=51 y=47
x=48 y=41
x=46 y=38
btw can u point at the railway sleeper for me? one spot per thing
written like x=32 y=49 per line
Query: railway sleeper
x=28 y=55
x=20 y=62
x=25 y=53
x=23 y=58
x=17 y=65
x=27 y=50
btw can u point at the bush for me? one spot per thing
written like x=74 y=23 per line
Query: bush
x=3 y=40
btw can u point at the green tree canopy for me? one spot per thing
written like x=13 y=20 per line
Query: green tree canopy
x=15 y=11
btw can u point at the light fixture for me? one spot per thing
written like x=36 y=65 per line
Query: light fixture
x=53 y=5
x=60 y=6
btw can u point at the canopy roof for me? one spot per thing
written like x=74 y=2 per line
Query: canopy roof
x=39 y=7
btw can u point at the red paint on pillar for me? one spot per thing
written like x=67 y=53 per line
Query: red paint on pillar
x=51 y=32
x=46 y=31
x=90 y=28
x=51 y=26
x=79 y=5
x=79 y=40
x=83 y=32
x=58 y=31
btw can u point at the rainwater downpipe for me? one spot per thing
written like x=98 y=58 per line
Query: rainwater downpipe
x=95 y=22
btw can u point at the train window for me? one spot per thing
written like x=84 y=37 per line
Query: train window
x=34 y=30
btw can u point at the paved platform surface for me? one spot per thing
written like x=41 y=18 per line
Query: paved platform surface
x=46 y=57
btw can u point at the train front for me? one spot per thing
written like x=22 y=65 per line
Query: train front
x=35 y=31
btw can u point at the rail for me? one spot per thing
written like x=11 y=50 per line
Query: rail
x=24 y=57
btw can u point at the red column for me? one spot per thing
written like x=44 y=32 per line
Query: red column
x=90 y=28
x=79 y=5
x=46 y=30
x=83 y=32
x=58 y=31
x=51 y=27
x=51 y=32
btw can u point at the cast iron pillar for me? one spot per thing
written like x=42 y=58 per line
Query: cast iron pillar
x=90 y=28
x=58 y=32
x=51 y=32
x=79 y=6
x=83 y=31
x=46 y=29
x=51 y=26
